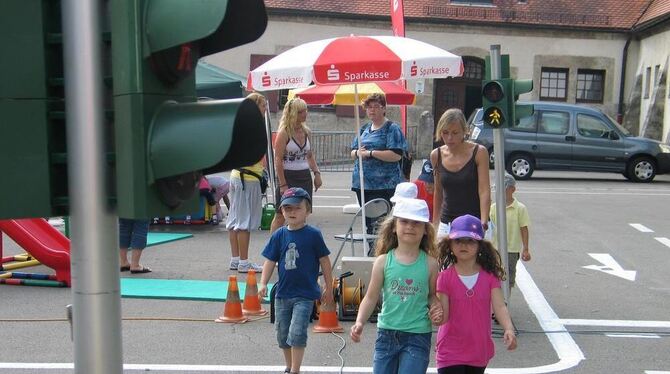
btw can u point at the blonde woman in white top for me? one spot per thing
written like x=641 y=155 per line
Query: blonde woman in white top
x=293 y=154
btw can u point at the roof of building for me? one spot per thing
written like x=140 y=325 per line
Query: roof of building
x=657 y=9
x=618 y=15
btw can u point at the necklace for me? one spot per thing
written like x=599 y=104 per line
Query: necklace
x=470 y=292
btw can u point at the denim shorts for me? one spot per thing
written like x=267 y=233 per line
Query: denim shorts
x=291 y=321
x=398 y=352
x=133 y=233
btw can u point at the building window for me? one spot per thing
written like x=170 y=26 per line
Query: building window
x=473 y=69
x=554 y=84
x=647 y=83
x=657 y=75
x=590 y=85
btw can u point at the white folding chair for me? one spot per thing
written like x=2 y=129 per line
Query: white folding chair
x=375 y=210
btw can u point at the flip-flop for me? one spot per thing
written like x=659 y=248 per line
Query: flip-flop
x=141 y=271
x=124 y=268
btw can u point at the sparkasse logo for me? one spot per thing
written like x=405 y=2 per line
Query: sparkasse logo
x=266 y=81
x=333 y=74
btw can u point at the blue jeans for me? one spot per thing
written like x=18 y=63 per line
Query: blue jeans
x=133 y=233
x=291 y=321
x=401 y=352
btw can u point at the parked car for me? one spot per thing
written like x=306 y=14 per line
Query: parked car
x=573 y=137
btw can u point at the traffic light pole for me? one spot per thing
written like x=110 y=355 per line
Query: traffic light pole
x=499 y=172
x=94 y=251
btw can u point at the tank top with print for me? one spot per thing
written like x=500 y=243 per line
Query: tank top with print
x=405 y=292
x=295 y=156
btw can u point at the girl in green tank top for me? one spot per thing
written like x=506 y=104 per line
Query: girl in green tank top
x=404 y=272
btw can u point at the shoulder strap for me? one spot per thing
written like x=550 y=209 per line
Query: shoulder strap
x=253 y=174
x=474 y=152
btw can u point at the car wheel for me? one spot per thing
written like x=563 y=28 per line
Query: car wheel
x=641 y=170
x=520 y=166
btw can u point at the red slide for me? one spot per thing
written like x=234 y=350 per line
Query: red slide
x=43 y=242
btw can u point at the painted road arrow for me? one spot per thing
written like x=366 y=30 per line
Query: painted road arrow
x=610 y=266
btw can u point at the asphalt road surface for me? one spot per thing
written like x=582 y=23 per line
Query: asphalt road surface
x=594 y=299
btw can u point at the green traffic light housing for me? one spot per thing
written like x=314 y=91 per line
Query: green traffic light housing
x=495 y=94
x=522 y=86
x=165 y=138
x=187 y=140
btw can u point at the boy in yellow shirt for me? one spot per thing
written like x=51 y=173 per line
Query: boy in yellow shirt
x=517 y=228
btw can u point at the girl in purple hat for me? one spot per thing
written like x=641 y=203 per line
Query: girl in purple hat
x=468 y=287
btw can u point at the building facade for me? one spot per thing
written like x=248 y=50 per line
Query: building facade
x=613 y=55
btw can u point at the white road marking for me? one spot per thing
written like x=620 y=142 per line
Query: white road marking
x=596 y=193
x=640 y=227
x=614 y=323
x=656 y=372
x=635 y=336
x=610 y=266
x=664 y=241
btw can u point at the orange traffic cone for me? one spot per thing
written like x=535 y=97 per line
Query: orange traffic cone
x=252 y=303
x=232 y=310
x=328 y=320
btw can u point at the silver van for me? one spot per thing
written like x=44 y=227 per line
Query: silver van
x=573 y=137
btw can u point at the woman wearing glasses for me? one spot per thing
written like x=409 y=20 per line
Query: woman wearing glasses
x=381 y=147
x=294 y=156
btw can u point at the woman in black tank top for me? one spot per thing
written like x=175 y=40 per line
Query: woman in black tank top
x=462 y=184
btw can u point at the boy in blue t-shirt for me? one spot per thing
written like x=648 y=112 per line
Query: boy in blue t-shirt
x=299 y=250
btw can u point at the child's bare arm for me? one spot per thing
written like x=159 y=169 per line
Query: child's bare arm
x=268 y=269
x=327 y=270
x=502 y=315
x=525 y=253
x=435 y=308
x=371 y=297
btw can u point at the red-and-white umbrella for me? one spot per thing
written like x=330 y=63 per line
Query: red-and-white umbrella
x=344 y=94
x=353 y=60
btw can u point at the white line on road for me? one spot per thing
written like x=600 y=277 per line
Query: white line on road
x=656 y=372
x=640 y=227
x=614 y=323
x=595 y=193
x=664 y=241
x=635 y=336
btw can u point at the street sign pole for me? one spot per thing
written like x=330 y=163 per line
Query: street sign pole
x=94 y=251
x=499 y=172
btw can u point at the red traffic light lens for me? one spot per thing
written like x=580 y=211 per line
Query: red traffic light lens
x=493 y=92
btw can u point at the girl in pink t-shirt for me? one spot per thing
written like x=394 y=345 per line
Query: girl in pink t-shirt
x=468 y=286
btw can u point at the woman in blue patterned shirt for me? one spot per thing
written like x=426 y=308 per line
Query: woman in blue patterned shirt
x=381 y=147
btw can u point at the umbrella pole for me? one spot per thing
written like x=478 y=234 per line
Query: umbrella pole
x=360 y=170
x=270 y=155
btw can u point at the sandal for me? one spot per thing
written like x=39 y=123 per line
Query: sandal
x=124 y=268
x=141 y=271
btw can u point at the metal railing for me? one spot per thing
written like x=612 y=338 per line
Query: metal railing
x=333 y=148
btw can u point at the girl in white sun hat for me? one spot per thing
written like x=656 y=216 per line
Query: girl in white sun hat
x=405 y=271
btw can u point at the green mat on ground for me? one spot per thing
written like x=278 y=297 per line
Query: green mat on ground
x=178 y=289
x=156 y=238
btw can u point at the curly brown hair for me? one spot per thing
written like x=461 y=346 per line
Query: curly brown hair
x=388 y=240
x=487 y=257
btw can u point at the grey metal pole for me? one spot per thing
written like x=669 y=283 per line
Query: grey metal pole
x=94 y=250
x=499 y=172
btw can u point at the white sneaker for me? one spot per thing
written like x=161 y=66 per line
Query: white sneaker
x=249 y=266
x=234 y=264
